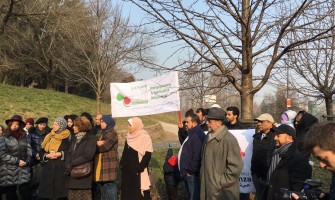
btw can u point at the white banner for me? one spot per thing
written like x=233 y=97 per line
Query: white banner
x=244 y=138
x=156 y=95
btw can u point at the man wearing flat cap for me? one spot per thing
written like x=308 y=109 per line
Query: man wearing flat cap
x=263 y=146
x=221 y=163
x=289 y=168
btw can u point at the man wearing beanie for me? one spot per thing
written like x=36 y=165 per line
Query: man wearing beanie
x=289 y=168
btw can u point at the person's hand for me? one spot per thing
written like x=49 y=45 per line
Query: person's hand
x=38 y=157
x=22 y=163
x=180 y=125
x=51 y=155
x=99 y=143
x=295 y=196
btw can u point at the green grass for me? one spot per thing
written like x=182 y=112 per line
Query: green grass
x=171 y=117
x=35 y=103
x=321 y=174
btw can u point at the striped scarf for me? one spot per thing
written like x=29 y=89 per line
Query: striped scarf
x=276 y=157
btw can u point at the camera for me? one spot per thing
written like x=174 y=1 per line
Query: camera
x=311 y=191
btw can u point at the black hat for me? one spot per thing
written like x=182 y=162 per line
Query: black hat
x=216 y=113
x=17 y=118
x=284 y=128
x=42 y=120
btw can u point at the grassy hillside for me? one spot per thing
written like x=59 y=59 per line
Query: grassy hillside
x=35 y=103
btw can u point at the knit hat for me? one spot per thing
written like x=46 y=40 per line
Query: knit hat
x=62 y=124
x=42 y=120
x=30 y=121
x=109 y=121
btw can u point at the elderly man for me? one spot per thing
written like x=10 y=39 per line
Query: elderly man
x=289 y=168
x=221 y=161
x=263 y=146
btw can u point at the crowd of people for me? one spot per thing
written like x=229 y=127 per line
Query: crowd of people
x=209 y=160
x=73 y=159
x=77 y=157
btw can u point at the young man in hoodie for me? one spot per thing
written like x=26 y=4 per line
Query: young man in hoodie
x=302 y=123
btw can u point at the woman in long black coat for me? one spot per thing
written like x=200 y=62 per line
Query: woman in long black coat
x=135 y=182
x=54 y=148
x=82 y=150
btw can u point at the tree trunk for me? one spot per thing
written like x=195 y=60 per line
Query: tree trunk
x=247 y=104
x=66 y=89
x=98 y=96
x=329 y=108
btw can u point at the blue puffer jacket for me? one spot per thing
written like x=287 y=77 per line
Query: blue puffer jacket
x=11 y=152
x=36 y=138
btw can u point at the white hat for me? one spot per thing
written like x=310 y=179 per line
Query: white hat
x=215 y=106
x=265 y=117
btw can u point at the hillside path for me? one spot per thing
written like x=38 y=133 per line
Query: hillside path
x=170 y=136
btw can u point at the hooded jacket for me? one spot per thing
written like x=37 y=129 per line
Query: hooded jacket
x=306 y=122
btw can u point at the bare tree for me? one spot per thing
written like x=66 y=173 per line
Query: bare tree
x=243 y=35
x=104 y=44
x=312 y=65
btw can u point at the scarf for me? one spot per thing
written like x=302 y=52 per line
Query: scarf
x=276 y=157
x=53 y=140
x=140 y=141
x=16 y=134
x=80 y=136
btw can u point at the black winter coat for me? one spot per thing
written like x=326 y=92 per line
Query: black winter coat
x=171 y=174
x=11 y=152
x=54 y=180
x=292 y=170
x=238 y=125
x=262 y=154
x=306 y=122
x=78 y=154
x=130 y=173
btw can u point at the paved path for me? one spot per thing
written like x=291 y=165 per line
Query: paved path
x=170 y=136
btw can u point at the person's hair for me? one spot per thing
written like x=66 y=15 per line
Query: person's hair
x=2 y=128
x=235 y=110
x=201 y=110
x=194 y=118
x=21 y=127
x=83 y=124
x=322 y=135
x=88 y=116
x=189 y=112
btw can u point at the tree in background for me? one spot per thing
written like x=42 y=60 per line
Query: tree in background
x=105 y=43
x=237 y=35
x=313 y=65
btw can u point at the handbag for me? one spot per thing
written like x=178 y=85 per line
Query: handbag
x=36 y=174
x=81 y=171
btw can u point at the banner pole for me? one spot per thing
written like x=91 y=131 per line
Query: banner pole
x=179 y=116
